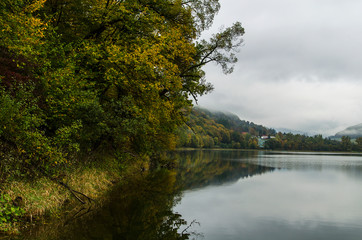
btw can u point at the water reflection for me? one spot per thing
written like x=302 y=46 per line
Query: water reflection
x=351 y=164
x=141 y=209
x=228 y=195
x=305 y=197
x=198 y=169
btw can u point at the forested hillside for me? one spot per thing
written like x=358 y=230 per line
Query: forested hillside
x=209 y=129
x=233 y=122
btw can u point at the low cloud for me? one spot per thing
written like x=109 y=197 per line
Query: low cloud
x=299 y=67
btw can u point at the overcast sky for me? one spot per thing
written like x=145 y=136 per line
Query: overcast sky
x=300 y=66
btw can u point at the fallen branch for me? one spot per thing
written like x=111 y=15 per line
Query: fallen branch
x=78 y=215
x=74 y=193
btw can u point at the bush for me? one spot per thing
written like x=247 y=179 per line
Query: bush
x=9 y=213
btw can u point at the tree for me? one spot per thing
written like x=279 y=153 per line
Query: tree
x=346 y=143
x=359 y=143
x=253 y=143
x=272 y=144
x=105 y=74
x=146 y=61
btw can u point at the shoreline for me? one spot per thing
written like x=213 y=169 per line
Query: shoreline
x=43 y=198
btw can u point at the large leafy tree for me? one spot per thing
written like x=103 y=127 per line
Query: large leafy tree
x=112 y=73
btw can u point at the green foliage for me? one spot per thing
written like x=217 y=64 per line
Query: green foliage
x=22 y=30
x=86 y=76
x=203 y=11
x=358 y=145
x=8 y=212
x=89 y=75
x=25 y=146
x=346 y=143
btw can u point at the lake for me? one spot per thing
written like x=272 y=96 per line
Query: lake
x=279 y=196
x=219 y=194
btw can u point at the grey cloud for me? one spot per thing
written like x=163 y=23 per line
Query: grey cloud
x=318 y=37
x=300 y=66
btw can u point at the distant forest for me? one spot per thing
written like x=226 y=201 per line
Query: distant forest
x=206 y=129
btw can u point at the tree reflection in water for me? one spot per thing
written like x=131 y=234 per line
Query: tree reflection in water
x=143 y=207
x=199 y=169
x=140 y=209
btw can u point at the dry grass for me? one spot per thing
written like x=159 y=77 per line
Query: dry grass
x=92 y=182
x=38 y=197
x=44 y=196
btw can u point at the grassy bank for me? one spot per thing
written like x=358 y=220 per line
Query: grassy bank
x=35 y=200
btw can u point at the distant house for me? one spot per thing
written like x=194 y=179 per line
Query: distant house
x=263 y=139
x=266 y=137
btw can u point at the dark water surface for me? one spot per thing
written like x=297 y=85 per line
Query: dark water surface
x=229 y=195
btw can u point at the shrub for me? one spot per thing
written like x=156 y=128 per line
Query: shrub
x=9 y=213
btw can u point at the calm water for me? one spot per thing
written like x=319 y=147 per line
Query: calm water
x=297 y=196
x=229 y=195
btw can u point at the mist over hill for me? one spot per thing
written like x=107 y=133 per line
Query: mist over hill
x=233 y=122
x=352 y=132
x=208 y=129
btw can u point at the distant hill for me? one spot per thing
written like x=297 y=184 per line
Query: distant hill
x=287 y=130
x=210 y=129
x=352 y=132
x=233 y=122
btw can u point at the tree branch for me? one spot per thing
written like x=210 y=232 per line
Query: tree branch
x=98 y=31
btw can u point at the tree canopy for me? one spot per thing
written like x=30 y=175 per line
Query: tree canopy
x=82 y=75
